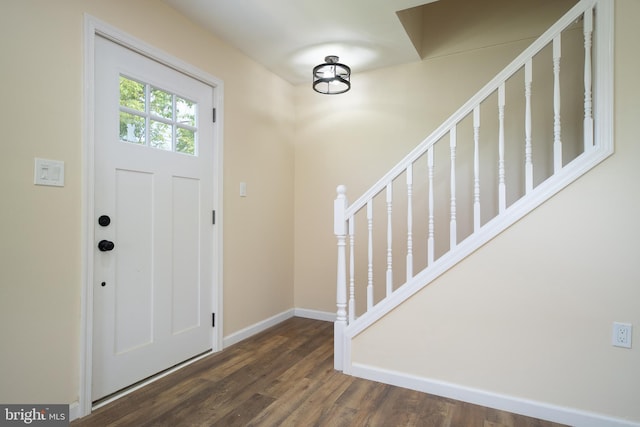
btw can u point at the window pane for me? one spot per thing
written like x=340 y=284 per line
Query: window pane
x=131 y=128
x=160 y=119
x=185 y=112
x=131 y=94
x=185 y=141
x=161 y=103
x=160 y=135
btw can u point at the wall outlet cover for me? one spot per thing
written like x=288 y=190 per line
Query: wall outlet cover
x=621 y=335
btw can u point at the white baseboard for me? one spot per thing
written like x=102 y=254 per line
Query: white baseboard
x=530 y=408
x=315 y=314
x=249 y=331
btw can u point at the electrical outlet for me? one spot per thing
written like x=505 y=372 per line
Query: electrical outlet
x=621 y=336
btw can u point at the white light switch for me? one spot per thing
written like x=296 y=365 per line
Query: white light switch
x=49 y=172
x=243 y=189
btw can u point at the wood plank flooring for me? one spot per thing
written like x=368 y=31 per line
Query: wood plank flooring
x=285 y=377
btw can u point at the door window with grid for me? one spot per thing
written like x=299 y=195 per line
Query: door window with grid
x=157 y=118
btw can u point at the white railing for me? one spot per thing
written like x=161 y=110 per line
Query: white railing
x=460 y=216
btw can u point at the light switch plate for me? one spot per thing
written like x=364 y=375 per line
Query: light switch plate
x=48 y=172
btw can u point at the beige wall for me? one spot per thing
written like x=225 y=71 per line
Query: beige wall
x=530 y=314
x=352 y=139
x=41 y=43
x=355 y=138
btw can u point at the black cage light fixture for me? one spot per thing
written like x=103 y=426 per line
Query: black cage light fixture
x=331 y=78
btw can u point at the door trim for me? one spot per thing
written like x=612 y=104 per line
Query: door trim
x=93 y=27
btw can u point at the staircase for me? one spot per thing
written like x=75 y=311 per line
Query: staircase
x=539 y=125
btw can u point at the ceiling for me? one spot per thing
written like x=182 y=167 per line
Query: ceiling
x=290 y=37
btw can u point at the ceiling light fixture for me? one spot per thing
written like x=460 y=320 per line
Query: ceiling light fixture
x=331 y=78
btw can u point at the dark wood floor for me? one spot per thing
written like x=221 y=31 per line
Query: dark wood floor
x=285 y=377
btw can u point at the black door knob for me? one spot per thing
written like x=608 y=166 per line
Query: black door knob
x=105 y=245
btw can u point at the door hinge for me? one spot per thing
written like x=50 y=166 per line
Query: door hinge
x=213 y=320
x=214 y=115
x=213 y=217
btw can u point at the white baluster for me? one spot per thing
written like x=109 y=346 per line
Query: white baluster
x=389 y=240
x=370 y=256
x=409 y=222
x=340 y=230
x=588 y=102
x=476 y=169
x=431 y=235
x=528 y=150
x=352 y=276
x=453 y=240
x=502 y=187
x=557 y=129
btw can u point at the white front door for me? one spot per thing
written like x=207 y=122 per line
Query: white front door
x=153 y=274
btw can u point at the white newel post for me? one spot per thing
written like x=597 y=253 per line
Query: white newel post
x=340 y=230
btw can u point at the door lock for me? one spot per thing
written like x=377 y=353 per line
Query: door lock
x=104 y=220
x=105 y=246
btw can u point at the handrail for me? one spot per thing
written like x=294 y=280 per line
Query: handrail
x=598 y=145
x=547 y=37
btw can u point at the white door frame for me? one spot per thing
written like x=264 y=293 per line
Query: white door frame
x=93 y=27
